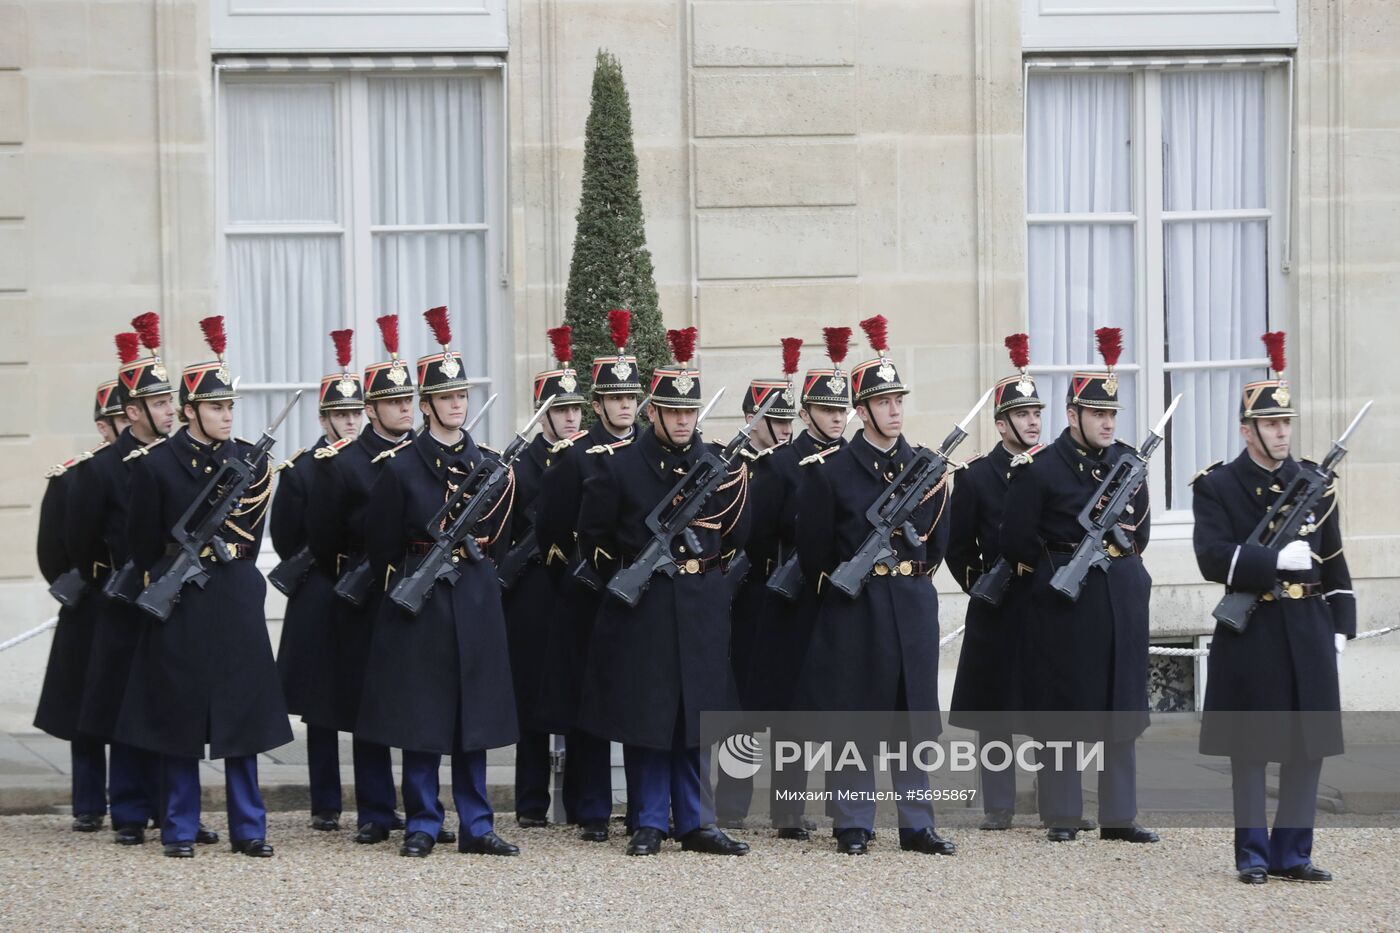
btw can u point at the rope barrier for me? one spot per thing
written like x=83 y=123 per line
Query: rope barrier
x=948 y=639
x=25 y=636
x=1202 y=652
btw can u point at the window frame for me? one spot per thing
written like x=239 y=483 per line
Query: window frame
x=1149 y=220
x=350 y=78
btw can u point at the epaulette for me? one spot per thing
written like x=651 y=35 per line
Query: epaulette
x=566 y=442
x=1123 y=443
x=392 y=451
x=489 y=449
x=244 y=440
x=145 y=449
x=609 y=448
x=58 y=469
x=1203 y=471
x=1026 y=456
x=818 y=457
x=289 y=461
x=330 y=450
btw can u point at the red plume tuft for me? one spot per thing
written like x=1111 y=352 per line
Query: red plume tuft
x=682 y=343
x=1110 y=341
x=1020 y=347
x=342 y=339
x=1273 y=342
x=562 y=339
x=442 y=327
x=838 y=341
x=389 y=330
x=147 y=326
x=128 y=347
x=214 y=335
x=876 y=331
x=620 y=327
x=792 y=352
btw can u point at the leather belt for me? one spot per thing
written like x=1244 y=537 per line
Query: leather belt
x=905 y=568
x=235 y=550
x=423 y=547
x=700 y=565
x=1294 y=591
x=1066 y=549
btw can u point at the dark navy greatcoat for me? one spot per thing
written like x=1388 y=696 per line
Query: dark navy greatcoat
x=575 y=605
x=751 y=601
x=667 y=659
x=783 y=628
x=335 y=522
x=988 y=678
x=1285 y=660
x=1086 y=656
x=95 y=533
x=306 y=656
x=867 y=651
x=60 y=700
x=206 y=676
x=437 y=682
x=529 y=603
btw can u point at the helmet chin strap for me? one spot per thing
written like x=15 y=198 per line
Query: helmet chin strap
x=1016 y=433
x=812 y=426
x=1263 y=448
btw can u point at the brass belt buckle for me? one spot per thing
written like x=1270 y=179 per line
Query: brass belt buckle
x=692 y=566
x=881 y=570
x=1294 y=591
x=906 y=568
x=1113 y=551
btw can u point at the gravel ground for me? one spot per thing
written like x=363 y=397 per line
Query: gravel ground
x=54 y=879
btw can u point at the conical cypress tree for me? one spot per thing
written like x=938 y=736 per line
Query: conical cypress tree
x=611 y=266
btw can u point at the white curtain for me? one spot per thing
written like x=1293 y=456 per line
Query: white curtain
x=1216 y=271
x=1080 y=276
x=281 y=152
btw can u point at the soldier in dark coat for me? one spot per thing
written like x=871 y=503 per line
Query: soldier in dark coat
x=438 y=682
x=987 y=688
x=654 y=668
x=335 y=530
x=615 y=391
x=784 y=629
x=95 y=533
x=1285 y=661
x=206 y=676
x=879 y=650
x=1087 y=657
x=307 y=656
x=60 y=699
x=769 y=435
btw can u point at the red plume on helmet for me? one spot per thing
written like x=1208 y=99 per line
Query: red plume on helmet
x=562 y=340
x=442 y=327
x=619 y=327
x=1273 y=342
x=389 y=330
x=682 y=343
x=792 y=352
x=147 y=327
x=128 y=346
x=838 y=342
x=342 y=339
x=1110 y=340
x=1019 y=346
x=214 y=335
x=877 y=332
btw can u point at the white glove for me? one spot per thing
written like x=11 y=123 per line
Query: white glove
x=1296 y=555
x=1341 y=642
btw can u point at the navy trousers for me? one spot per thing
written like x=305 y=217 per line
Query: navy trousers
x=733 y=797
x=89 y=760
x=672 y=786
x=998 y=787
x=423 y=812
x=133 y=786
x=1061 y=790
x=374 y=784
x=532 y=774
x=785 y=806
x=1290 y=844
x=323 y=769
x=587 y=778
x=247 y=817
x=854 y=802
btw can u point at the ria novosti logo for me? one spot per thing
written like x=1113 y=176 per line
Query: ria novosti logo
x=740 y=756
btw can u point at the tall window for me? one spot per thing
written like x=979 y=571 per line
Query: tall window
x=348 y=196
x=1153 y=199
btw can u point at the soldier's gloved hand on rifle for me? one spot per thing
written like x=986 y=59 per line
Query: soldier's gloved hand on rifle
x=1340 y=641
x=1296 y=555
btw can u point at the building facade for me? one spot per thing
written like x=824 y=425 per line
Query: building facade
x=1195 y=174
